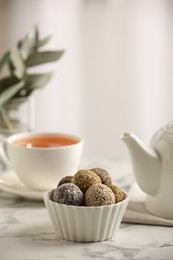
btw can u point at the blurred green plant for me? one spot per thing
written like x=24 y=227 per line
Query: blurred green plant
x=19 y=82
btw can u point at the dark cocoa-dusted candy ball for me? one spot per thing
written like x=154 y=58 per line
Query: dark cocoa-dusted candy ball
x=99 y=195
x=69 y=194
x=104 y=176
x=66 y=179
x=118 y=193
x=84 y=179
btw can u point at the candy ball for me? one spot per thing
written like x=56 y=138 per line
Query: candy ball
x=66 y=179
x=118 y=193
x=84 y=179
x=99 y=195
x=69 y=194
x=104 y=176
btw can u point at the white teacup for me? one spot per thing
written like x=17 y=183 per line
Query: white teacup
x=40 y=160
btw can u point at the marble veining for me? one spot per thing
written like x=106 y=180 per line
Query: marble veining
x=26 y=232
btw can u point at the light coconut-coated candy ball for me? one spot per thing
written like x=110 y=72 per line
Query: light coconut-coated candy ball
x=104 y=176
x=118 y=193
x=84 y=179
x=66 y=179
x=69 y=194
x=99 y=195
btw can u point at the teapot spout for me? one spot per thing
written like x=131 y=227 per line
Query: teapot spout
x=145 y=162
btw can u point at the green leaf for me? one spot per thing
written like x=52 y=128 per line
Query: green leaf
x=37 y=80
x=7 y=82
x=32 y=82
x=43 y=42
x=28 y=44
x=10 y=92
x=17 y=62
x=5 y=58
x=38 y=58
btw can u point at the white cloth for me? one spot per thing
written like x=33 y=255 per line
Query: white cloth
x=136 y=211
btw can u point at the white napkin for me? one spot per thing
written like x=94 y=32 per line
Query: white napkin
x=136 y=212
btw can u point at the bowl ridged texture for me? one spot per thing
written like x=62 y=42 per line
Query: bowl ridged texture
x=85 y=224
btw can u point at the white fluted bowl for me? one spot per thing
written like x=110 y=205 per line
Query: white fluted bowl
x=85 y=224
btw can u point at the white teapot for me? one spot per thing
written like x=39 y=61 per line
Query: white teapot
x=153 y=169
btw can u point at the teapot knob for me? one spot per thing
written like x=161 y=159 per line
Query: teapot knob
x=169 y=126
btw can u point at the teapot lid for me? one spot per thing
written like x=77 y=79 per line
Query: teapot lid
x=169 y=126
x=163 y=132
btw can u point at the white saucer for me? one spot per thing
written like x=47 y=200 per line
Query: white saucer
x=10 y=183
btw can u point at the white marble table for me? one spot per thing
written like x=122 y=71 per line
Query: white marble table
x=26 y=232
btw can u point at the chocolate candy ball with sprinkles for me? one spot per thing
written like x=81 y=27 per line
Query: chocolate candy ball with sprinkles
x=118 y=193
x=85 y=179
x=69 y=194
x=104 y=176
x=99 y=195
x=66 y=179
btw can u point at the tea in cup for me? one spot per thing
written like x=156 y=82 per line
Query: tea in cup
x=40 y=160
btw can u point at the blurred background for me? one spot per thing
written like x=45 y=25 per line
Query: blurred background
x=115 y=75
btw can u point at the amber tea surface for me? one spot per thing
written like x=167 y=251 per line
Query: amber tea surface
x=44 y=141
